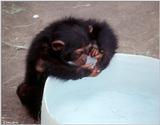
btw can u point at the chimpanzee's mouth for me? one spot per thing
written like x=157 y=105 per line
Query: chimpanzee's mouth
x=89 y=60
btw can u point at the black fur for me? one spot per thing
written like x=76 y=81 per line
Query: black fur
x=74 y=32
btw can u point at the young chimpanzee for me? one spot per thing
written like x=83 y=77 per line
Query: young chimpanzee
x=52 y=50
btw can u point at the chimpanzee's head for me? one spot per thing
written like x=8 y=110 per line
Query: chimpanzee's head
x=72 y=42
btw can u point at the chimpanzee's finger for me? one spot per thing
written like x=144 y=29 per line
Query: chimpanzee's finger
x=93 y=52
x=96 y=53
x=98 y=56
x=94 y=73
x=89 y=66
x=90 y=53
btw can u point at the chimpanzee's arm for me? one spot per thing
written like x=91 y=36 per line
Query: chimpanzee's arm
x=67 y=71
x=106 y=41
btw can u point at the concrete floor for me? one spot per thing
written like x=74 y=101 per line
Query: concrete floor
x=135 y=23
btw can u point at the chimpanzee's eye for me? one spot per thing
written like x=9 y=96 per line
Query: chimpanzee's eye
x=79 y=51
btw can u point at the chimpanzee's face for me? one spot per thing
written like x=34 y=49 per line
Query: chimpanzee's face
x=79 y=55
x=76 y=55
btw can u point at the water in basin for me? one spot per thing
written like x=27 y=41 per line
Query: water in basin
x=128 y=91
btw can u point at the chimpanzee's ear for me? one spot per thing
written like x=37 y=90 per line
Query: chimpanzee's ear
x=58 y=45
x=90 y=28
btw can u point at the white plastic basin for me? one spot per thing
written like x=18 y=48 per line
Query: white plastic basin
x=128 y=92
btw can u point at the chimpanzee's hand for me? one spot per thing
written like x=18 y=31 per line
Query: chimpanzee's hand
x=88 y=66
x=85 y=70
x=94 y=52
x=94 y=71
